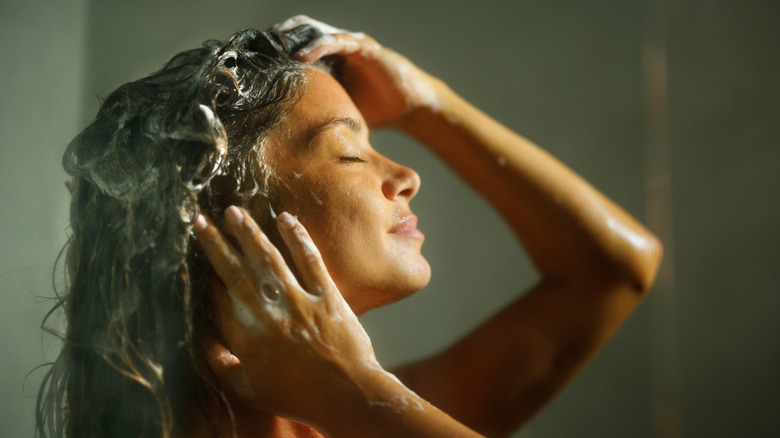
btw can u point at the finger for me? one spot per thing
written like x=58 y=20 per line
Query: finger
x=290 y=23
x=235 y=319
x=262 y=254
x=299 y=20
x=223 y=312
x=305 y=254
x=234 y=298
x=221 y=360
x=310 y=265
x=222 y=256
x=228 y=370
x=215 y=289
x=218 y=356
x=334 y=44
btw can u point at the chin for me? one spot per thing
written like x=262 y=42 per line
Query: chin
x=409 y=281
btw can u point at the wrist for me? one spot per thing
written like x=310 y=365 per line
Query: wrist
x=444 y=112
x=428 y=96
x=387 y=408
x=373 y=406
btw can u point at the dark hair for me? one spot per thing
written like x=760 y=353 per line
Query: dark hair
x=161 y=148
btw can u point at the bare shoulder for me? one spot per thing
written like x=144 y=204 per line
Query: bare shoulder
x=286 y=428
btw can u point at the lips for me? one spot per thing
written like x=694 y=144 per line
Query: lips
x=407 y=226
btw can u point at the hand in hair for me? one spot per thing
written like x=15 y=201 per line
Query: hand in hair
x=384 y=85
x=277 y=332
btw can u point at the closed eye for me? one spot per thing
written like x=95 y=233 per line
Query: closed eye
x=352 y=160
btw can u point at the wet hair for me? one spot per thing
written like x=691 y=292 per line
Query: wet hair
x=184 y=139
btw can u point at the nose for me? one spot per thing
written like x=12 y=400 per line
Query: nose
x=402 y=182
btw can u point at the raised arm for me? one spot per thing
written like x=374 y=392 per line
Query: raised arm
x=595 y=261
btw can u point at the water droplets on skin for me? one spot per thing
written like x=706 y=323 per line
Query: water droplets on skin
x=418 y=92
x=315 y=197
x=318 y=336
x=323 y=40
x=270 y=293
x=305 y=335
x=399 y=404
x=244 y=314
x=308 y=246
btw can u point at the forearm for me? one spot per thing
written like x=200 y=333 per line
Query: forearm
x=386 y=408
x=595 y=261
x=567 y=226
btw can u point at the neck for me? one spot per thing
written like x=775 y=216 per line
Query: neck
x=248 y=423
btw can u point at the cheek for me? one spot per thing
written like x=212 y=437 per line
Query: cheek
x=350 y=227
x=353 y=219
x=337 y=209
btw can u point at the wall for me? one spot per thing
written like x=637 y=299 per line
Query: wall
x=42 y=53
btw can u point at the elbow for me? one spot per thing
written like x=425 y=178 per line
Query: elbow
x=628 y=260
x=631 y=265
x=640 y=266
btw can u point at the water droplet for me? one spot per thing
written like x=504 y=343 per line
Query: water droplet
x=270 y=293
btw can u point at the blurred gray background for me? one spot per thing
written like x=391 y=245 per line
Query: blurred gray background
x=695 y=157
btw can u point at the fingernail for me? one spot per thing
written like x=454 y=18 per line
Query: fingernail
x=301 y=53
x=286 y=219
x=234 y=215
x=200 y=223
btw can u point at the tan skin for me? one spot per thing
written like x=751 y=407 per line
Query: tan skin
x=595 y=263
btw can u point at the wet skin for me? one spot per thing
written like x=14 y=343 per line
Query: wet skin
x=595 y=262
x=353 y=201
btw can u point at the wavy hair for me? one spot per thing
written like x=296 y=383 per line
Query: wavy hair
x=183 y=139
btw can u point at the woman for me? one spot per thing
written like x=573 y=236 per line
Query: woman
x=254 y=333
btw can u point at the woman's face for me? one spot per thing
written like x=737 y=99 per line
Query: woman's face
x=353 y=201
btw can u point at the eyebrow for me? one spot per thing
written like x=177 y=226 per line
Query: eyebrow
x=354 y=126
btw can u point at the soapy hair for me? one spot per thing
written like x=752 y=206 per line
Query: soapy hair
x=184 y=139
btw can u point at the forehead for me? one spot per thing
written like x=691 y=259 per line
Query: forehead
x=322 y=99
